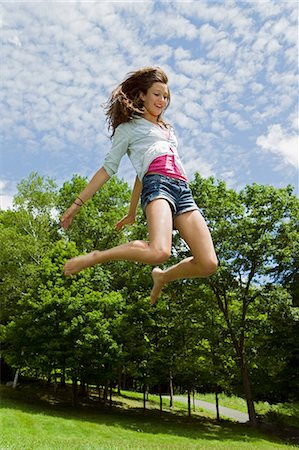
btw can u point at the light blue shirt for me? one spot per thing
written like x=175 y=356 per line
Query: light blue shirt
x=143 y=141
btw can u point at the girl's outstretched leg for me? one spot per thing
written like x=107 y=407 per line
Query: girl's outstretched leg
x=203 y=263
x=133 y=251
x=79 y=263
x=156 y=251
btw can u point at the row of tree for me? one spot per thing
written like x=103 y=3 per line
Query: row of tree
x=236 y=331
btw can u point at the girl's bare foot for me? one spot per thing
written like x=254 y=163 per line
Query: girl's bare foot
x=157 y=275
x=74 y=265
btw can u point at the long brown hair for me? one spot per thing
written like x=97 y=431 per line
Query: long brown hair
x=125 y=101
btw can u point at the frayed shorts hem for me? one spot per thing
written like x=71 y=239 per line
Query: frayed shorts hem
x=176 y=192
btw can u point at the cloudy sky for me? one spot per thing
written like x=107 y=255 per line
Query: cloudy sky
x=232 y=69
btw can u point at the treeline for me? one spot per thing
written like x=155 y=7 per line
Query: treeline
x=236 y=331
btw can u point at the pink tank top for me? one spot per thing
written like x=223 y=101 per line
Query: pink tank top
x=165 y=165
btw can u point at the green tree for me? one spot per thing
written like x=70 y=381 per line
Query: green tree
x=25 y=234
x=63 y=327
x=273 y=345
x=94 y=225
x=249 y=231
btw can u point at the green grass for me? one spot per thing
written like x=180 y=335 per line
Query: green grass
x=30 y=421
x=153 y=402
x=282 y=413
x=232 y=401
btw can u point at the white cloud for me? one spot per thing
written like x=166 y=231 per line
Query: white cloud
x=256 y=87
x=280 y=143
x=195 y=163
x=6 y=196
x=2 y=185
x=6 y=202
x=236 y=120
x=294 y=121
x=181 y=53
x=223 y=50
x=210 y=35
x=169 y=25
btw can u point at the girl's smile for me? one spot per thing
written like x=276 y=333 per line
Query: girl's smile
x=155 y=101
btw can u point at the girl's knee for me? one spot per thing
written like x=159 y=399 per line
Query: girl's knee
x=207 y=267
x=211 y=266
x=159 y=255
x=156 y=255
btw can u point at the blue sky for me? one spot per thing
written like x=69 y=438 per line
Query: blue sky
x=232 y=69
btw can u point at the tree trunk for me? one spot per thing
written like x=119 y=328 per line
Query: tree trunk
x=16 y=378
x=217 y=405
x=62 y=376
x=248 y=392
x=161 y=401
x=189 y=402
x=144 y=396
x=99 y=393
x=110 y=395
x=119 y=375
x=105 y=394
x=193 y=398
x=55 y=384
x=170 y=390
x=74 y=391
x=82 y=388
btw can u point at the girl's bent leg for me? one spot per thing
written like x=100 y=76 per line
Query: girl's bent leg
x=156 y=251
x=203 y=263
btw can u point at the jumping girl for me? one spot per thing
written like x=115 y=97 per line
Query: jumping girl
x=134 y=113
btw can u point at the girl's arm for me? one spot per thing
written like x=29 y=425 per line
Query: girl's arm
x=97 y=181
x=130 y=217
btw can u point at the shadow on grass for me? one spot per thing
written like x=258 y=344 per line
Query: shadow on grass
x=39 y=400
x=282 y=418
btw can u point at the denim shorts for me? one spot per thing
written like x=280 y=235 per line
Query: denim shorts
x=176 y=192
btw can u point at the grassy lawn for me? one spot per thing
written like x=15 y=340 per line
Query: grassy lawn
x=287 y=413
x=232 y=401
x=28 y=422
x=282 y=413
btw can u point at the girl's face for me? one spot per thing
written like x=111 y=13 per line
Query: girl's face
x=155 y=101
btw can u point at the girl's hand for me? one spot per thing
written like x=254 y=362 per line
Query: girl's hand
x=127 y=220
x=68 y=216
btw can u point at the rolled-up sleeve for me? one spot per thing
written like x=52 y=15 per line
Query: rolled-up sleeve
x=118 y=149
